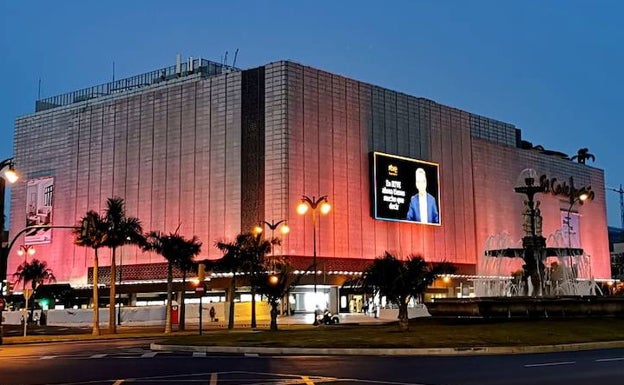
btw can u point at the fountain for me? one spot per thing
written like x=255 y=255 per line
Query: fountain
x=530 y=279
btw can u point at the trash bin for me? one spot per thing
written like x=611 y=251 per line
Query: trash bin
x=175 y=315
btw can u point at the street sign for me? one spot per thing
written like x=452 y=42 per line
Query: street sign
x=199 y=290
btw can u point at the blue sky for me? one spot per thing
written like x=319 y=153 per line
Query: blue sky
x=553 y=68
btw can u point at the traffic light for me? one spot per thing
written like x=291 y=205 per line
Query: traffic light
x=44 y=303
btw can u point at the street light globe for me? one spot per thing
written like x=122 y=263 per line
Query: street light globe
x=257 y=230
x=273 y=279
x=302 y=208
x=285 y=229
x=11 y=176
x=583 y=197
x=325 y=207
x=26 y=249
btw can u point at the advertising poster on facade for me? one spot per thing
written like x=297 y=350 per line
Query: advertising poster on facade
x=405 y=189
x=570 y=228
x=39 y=201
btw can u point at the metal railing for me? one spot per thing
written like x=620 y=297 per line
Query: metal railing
x=204 y=67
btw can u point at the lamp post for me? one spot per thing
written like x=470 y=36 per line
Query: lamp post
x=6 y=250
x=11 y=177
x=284 y=229
x=575 y=196
x=273 y=226
x=314 y=204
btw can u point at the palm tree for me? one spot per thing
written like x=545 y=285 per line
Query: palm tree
x=233 y=261
x=582 y=155
x=185 y=265
x=92 y=232
x=255 y=249
x=275 y=283
x=174 y=248
x=399 y=280
x=121 y=230
x=36 y=272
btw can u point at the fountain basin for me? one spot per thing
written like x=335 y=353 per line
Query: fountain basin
x=527 y=307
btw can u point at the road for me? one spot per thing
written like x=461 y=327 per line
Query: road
x=131 y=362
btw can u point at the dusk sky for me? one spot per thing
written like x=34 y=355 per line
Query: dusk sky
x=554 y=69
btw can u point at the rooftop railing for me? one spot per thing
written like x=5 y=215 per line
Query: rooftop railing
x=204 y=67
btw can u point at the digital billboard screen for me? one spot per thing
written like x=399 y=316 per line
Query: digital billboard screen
x=405 y=189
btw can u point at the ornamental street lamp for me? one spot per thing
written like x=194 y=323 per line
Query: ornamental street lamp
x=9 y=176
x=575 y=197
x=273 y=226
x=284 y=229
x=313 y=203
x=26 y=250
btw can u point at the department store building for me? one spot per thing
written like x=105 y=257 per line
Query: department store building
x=210 y=150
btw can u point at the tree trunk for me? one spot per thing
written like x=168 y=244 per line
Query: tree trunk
x=96 y=302
x=403 y=318
x=182 y=325
x=169 y=297
x=31 y=315
x=253 y=307
x=232 y=291
x=112 y=324
x=274 y=312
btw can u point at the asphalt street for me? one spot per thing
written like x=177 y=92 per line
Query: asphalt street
x=124 y=361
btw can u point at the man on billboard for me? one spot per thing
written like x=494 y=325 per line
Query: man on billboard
x=423 y=207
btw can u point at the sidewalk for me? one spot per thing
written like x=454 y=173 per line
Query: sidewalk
x=13 y=334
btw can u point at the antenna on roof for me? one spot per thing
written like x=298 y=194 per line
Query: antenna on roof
x=113 y=72
x=39 y=90
x=225 y=59
x=235 y=55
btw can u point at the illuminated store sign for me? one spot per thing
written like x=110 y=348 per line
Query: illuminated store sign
x=563 y=188
x=405 y=189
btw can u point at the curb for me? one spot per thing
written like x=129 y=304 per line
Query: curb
x=467 y=351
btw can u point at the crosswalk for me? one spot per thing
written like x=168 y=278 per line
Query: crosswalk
x=126 y=355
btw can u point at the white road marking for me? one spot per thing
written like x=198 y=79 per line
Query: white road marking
x=149 y=355
x=199 y=354
x=48 y=357
x=213 y=378
x=550 y=364
x=98 y=356
x=610 y=359
x=118 y=382
x=252 y=355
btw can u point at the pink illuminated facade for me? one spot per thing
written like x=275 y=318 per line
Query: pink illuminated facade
x=215 y=153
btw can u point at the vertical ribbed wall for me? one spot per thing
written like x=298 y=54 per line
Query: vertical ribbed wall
x=173 y=153
x=333 y=124
x=252 y=150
